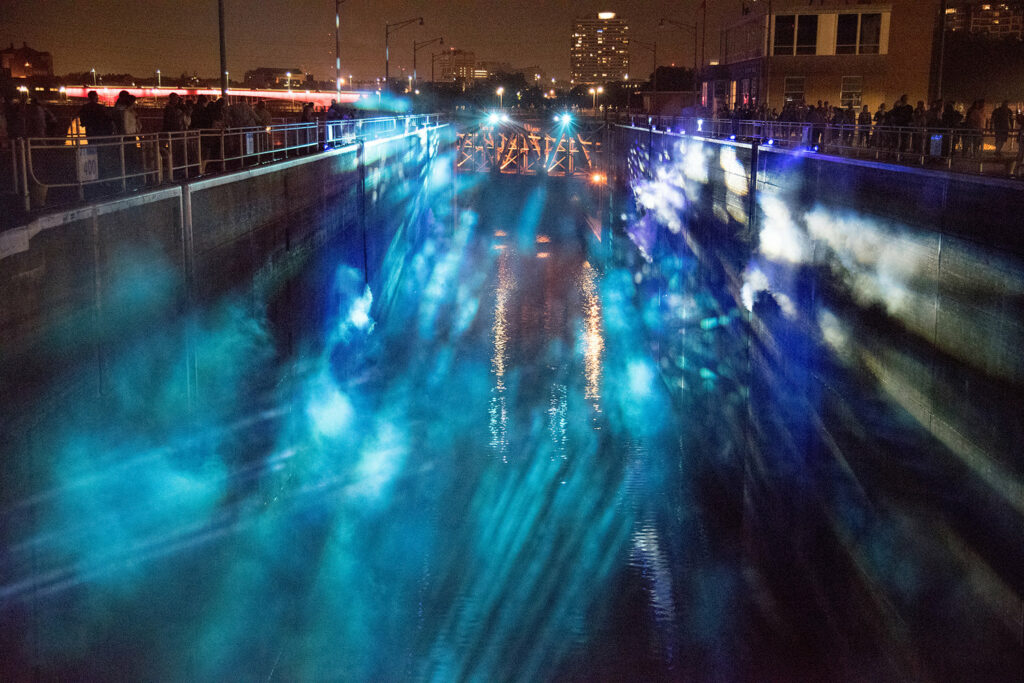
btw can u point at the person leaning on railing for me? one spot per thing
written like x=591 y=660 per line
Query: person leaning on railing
x=1002 y=122
x=126 y=123
x=95 y=117
x=975 y=122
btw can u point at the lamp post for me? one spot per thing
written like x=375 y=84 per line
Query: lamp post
x=223 y=52
x=500 y=92
x=337 y=45
x=594 y=92
x=416 y=46
x=653 y=47
x=388 y=30
x=158 y=78
x=93 y=77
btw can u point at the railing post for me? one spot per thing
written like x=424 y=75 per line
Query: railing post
x=15 y=175
x=170 y=157
x=26 y=197
x=124 y=169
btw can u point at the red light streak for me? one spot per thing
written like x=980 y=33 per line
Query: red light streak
x=108 y=94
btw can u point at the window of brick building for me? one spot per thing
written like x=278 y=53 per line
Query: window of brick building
x=852 y=91
x=793 y=89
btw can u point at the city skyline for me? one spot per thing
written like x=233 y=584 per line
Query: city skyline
x=104 y=35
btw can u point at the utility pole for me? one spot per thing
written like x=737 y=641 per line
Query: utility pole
x=416 y=46
x=942 y=50
x=653 y=47
x=388 y=30
x=223 y=52
x=337 y=45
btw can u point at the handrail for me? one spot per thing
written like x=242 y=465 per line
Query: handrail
x=112 y=164
x=966 y=149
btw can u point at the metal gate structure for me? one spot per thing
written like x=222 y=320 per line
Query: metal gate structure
x=522 y=147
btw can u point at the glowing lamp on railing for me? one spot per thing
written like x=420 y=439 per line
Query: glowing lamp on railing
x=700 y=125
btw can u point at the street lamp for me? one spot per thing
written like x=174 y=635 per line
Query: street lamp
x=93 y=77
x=223 y=51
x=288 y=83
x=500 y=92
x=416 y=46
x=388 y=30
x=594 y=92
x=433 y=60
x=653 y=47
x=158 y=78
x=337 y=44
x=665 y=23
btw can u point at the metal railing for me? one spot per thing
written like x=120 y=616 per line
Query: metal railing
x=961 y=149
x=56 y=170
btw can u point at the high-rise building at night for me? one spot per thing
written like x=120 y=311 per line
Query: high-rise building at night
x=996 y=19
x=600 y=49
x=455 y=66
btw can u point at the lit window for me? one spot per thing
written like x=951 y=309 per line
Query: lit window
x=851 y=91
x=793 y=89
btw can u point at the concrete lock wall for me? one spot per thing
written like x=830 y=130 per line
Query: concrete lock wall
x=73 y=282
x=883 y=311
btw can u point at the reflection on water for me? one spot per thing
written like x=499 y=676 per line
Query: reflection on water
x=500 y=332
x=339 y=513
x=593 y=335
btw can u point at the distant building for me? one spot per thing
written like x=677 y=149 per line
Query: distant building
x=268 y=77
x=999 y=19
x=599 y=51
x=24 y=62
x=455 y=66
x=870 y=52
x=493 y=68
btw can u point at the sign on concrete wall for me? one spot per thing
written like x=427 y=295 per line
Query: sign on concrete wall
x=88 y=164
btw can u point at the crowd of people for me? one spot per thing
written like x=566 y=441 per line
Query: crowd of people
x=28 y=117
x=25 y=117
x=903 y=126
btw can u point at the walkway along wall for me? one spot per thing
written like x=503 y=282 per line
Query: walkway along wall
x=874 y=316
x=74 y=284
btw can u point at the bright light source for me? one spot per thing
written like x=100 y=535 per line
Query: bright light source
x=598 y=178
x=504 y=118
x=493 y=118
x=606 y=15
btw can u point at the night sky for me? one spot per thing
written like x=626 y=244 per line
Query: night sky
x=117 y=36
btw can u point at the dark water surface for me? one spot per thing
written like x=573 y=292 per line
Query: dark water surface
x=520 y=459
